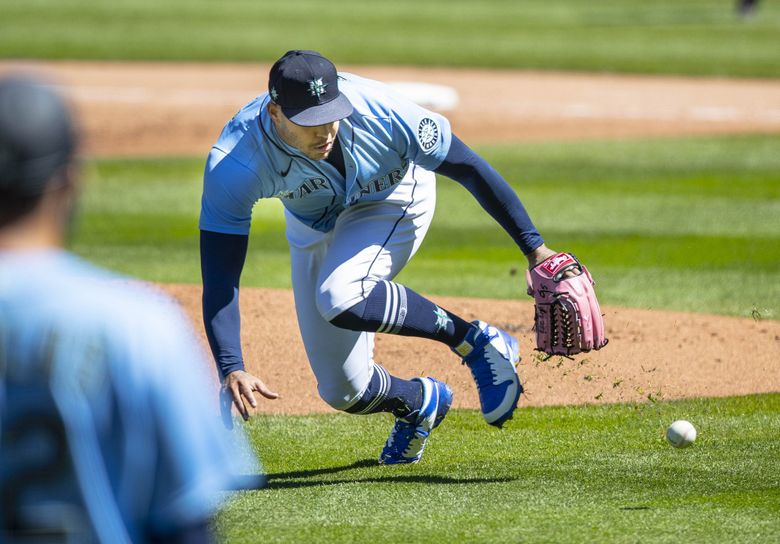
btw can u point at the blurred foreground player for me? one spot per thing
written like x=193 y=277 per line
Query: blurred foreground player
x=99 y=441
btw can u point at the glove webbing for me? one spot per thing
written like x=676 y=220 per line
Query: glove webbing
x=562 y=319
x=566 y=321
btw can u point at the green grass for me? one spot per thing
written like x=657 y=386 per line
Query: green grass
x=687 y=224
x=701 y=37
x=563 y=474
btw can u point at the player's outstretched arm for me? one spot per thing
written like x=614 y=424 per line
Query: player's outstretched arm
x=492 y=192
x=222 y=260
x=568 y=318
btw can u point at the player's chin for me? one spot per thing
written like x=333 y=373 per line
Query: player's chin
x=318 y=155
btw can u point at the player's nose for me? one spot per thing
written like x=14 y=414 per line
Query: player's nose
x=325 y=131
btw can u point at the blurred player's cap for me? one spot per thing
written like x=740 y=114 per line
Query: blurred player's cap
x=37 y=135
x=305 y=84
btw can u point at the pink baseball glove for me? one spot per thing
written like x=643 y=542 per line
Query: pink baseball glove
x=568 y=318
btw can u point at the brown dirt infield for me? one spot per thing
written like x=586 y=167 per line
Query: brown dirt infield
x=134 y=109
x=651 y=355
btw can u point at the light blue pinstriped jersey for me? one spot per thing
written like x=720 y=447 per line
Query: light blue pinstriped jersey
x=385 y=136
x=105 y=425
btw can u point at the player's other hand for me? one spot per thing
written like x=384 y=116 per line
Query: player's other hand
x=242 y=386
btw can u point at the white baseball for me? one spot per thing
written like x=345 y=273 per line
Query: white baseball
x=681 y=434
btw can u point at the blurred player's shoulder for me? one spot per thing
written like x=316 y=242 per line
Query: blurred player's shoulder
x=59 y=290
x=57 y=278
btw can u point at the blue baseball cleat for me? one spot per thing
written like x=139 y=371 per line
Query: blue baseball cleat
x=407 y=439
x=493 y=359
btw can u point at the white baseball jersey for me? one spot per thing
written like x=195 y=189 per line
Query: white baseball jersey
x=385 y=135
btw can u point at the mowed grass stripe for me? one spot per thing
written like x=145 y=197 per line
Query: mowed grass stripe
x=698 y=37
x=561 y=474
x=686 y=224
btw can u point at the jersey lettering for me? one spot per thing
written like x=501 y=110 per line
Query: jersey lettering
x=36 y=458
x=308 y=186
x=382 y=183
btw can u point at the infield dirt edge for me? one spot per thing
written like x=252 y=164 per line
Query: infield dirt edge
x=652 y=354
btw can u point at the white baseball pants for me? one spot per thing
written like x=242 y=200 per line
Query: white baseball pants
x=331 y=272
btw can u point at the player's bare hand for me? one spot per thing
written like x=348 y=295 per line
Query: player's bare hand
x=242 y=387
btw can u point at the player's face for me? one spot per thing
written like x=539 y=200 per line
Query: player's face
x=314 y=142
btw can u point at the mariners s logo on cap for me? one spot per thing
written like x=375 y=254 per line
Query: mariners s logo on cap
x=317 y=87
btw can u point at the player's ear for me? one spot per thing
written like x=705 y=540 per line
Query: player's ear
x=68 y=178
x=275 y=111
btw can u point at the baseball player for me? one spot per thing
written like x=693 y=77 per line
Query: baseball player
x=99 y=441
x=353 y=163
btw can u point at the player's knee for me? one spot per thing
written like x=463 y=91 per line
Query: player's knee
x=352 y=318
x=326 y=302
x=339 y=397
x=333 y=299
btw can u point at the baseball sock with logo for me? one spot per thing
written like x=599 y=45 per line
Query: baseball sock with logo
x=395 y=309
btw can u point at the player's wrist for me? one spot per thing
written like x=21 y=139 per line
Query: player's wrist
x=233 y=375
x=539 y=255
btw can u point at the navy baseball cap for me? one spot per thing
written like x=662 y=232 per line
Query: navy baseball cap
x=306 y=86
x=37 y=135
